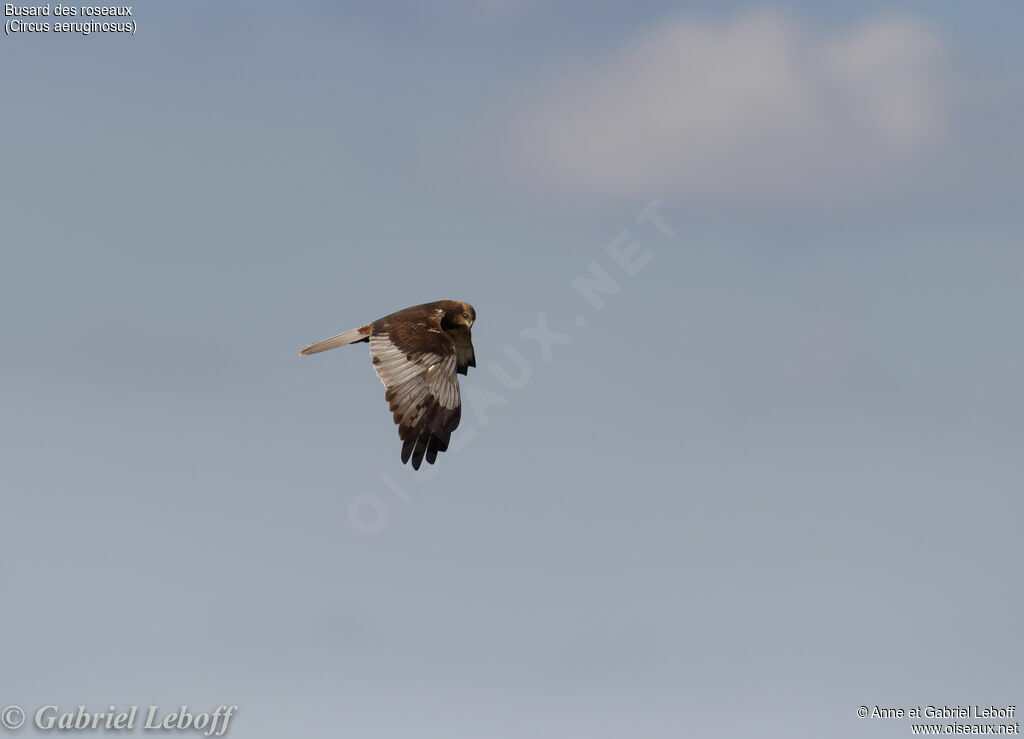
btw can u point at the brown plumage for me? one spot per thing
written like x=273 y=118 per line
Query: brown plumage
x=418 y=353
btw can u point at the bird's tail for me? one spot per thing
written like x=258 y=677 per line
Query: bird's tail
x=351 y=336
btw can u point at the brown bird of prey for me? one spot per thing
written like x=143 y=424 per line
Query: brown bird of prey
x=417 y=353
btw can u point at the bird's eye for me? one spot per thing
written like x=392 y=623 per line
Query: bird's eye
x=465 y=315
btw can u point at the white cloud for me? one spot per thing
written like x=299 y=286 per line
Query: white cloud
x=759 y=107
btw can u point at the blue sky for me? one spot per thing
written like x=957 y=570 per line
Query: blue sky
x=773 y=478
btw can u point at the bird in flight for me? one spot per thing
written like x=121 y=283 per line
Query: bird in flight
x=418 y=353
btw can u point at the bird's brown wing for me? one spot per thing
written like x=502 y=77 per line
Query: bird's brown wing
x=418 y=365
x=464 y=356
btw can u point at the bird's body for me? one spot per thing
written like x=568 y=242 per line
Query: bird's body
x=418 y=353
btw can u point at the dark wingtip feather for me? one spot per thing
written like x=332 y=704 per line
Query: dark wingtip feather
x=417 y=455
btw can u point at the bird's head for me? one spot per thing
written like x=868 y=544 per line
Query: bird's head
x=467 y=316
x=456 y=314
